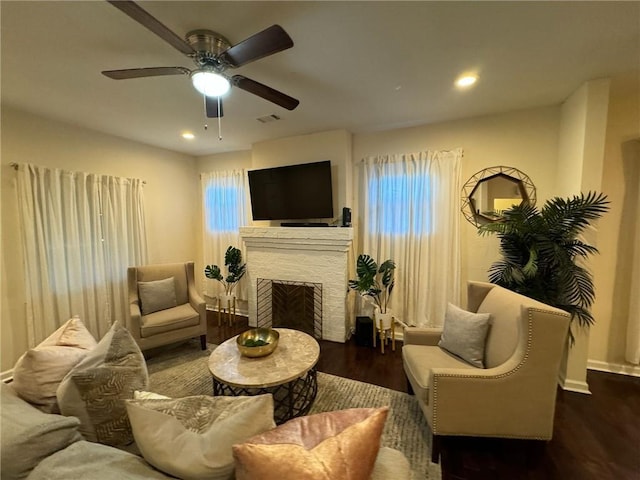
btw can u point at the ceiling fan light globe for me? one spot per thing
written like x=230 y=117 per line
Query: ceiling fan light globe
x=209 y=83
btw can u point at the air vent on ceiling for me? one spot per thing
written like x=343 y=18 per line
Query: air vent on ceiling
x=268 y=118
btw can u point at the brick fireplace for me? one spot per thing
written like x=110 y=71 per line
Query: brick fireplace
x=297 y=256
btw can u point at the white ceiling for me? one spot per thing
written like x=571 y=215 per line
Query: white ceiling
x=361 y=66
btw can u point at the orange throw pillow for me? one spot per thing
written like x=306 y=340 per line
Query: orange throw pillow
x=326 y=446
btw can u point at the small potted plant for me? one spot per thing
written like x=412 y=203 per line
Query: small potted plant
x=235 y=271
x=377 y=283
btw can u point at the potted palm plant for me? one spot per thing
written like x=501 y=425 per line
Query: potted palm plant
x=235 y=271
x=540 y=251
x=377 y=283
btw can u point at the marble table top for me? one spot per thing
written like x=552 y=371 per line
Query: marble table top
x=296 y=354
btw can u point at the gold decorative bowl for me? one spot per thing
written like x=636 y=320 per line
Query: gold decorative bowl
x=258 y=342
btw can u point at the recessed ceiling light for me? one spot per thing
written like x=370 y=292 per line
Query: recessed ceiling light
x=188 y=136
x=465 y=81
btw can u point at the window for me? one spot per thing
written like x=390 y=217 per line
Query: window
x=398 y=204
x=222 y=208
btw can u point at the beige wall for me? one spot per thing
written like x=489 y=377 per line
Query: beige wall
x=612 y=267
x=580 y=157
x=171 y=198
x=526 y=140
x=334 y=145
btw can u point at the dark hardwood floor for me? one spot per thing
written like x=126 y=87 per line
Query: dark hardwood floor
x=595 y=436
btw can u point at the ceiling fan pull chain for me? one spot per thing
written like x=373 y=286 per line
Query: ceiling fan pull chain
x=219 y=121
x=204 y=102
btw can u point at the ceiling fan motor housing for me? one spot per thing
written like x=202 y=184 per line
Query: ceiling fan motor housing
x=208 y=46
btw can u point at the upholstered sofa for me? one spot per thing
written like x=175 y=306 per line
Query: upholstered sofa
x=514 y=395
x=42 y=446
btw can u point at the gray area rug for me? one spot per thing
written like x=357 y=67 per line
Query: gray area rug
x=182 y=371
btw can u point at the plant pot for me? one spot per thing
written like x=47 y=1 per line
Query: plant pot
x=227 y=300
x=383 y=320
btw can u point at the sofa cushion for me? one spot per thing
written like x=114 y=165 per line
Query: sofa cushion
x=157 y=295
x=95 y=389
x=87 y=460
x=464 y=334
x=170 y=319
x=39 y=371
x=28 y=435
x=418 y=360
x=502 y=339
x=191 y=437
x=326 y=446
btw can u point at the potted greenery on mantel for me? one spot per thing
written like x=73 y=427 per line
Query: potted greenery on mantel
x=235 y=271
x=377 y=283
x=540 y=251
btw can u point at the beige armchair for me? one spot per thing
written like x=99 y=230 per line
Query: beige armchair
x=162 y=311
x=515 y=395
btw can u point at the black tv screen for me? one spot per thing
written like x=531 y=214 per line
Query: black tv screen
x=293 y=192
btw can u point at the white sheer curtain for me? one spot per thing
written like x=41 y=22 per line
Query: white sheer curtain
x=632 y=354
x=80 y=232
x=226 y=209
x=411 y=214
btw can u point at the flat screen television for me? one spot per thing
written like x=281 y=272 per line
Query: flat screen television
x=293 y=192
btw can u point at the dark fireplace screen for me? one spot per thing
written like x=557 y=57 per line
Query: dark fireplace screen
x=295 y=305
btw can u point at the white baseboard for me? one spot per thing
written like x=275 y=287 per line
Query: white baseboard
x=619 y=368
x=6 y=376
x=573 y=385
x=239 y=311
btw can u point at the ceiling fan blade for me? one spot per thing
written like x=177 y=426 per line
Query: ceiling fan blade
x=145 y=19
x=265 y=92
x=267 y=42
x=145 y=72
x=211 y=105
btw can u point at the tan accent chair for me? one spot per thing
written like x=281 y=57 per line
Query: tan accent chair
x=515 y=395
x=186 y=320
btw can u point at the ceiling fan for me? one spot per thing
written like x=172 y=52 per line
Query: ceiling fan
x=213 y=55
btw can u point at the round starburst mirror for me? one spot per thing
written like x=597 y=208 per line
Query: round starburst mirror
x=492 y=190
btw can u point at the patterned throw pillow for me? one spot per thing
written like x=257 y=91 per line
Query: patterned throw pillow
x=95 y=389
x=326 y=446
x=37 y=373
x=464 y=334
x=191 y=437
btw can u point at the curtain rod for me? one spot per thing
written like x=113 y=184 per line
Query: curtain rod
x=15 y=167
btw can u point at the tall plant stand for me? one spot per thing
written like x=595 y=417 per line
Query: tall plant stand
x=384 y=328
x=227 y=304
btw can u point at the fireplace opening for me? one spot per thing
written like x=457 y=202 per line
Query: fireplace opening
x=296 y=305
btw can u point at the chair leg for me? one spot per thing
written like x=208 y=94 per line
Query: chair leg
x=435 y=448
x=203 y=341
x=409 y=387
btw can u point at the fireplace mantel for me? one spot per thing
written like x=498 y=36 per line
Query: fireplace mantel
x=303 y=254
x=302 y=238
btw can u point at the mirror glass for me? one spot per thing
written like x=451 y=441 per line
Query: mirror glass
x=492 y=190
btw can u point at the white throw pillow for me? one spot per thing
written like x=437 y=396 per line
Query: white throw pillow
x=157 y=295
x=464 y=334
x=143 y=395
x=191 y=437
x=39 y=371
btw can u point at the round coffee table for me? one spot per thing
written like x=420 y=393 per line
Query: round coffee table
x=288 y=373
